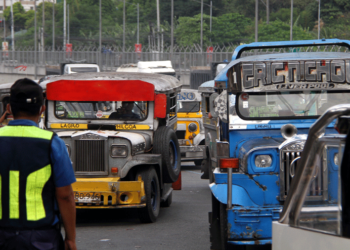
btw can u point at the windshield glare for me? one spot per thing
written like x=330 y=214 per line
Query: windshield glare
x=288 y=105
x=188 y=107
x=109 y=110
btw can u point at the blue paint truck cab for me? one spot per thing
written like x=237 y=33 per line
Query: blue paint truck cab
x=254 y=142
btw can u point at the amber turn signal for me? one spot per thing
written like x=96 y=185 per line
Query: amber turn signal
x=114 y=170
x=229 y=163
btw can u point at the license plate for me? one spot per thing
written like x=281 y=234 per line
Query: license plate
x=87 y=197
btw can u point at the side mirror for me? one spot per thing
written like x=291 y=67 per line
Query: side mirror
x=160 y=101
x=212 y=105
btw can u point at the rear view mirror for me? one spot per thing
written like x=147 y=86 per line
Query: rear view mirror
x=160 y=106
x=212 y=105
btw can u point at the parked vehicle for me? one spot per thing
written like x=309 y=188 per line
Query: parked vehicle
x=72 y=67
x=260 y=135
x=306 y=224
x=119 y=129
x=190 y=130
x=157 y=67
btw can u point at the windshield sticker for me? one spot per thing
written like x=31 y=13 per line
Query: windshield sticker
x=245 y=104
x=99 y=114
x=75 y=114
x=267 y=111
x=132 y=127
x=69 y=126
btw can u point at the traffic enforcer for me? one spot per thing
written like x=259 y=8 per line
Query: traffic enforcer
x=255 y=140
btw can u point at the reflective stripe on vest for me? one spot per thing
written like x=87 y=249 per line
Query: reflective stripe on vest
x=25 y=131
x=35 y=181
x=35 y=185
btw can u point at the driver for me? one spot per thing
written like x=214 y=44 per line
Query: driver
x=125 y=111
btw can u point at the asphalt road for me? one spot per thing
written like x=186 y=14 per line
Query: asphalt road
x=183 y=225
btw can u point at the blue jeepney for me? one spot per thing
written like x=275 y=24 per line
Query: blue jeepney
x=254 y=145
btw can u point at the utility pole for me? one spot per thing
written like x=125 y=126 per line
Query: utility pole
x=319 y=18
x=267 y=11
x=256 y=19
x=12 y=28
x=35 y=43
x=43 y=29
x=158 y=25
x=211 y=15
x=53 y=26
x=124 y=26
x=68 y=24
x=201 y=25
x=100 y=38
x=172 y=27
x=138 y=24
x=291 y=20
x=64 y=23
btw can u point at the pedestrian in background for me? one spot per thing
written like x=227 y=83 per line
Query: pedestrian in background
x=35 y=178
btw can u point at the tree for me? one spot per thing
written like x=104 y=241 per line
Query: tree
x=19 y=16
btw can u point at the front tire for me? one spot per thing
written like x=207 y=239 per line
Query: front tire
x=150 y=213
x=166 y=143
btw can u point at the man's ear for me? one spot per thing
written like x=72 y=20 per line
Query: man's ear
x=42 y=109
x=8 y=108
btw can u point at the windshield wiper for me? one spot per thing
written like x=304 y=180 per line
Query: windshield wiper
x=192 y=108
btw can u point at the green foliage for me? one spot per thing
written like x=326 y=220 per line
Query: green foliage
x=280 y=31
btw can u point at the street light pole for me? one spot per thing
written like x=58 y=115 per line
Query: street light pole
x=201 y=25
x=35 y=43
x=267 y=12
x=291 y=20
x=256 y=19
x=64 y=23
x=172 y=26
x=319 y=18
x=53 y=26
x=211 y=15
x=124 y=26
x=158 y=25
x=138 y=24
x=12 y=28
x=43 y=29
x=68 y=25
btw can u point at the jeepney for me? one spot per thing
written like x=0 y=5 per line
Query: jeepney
x=119 y=130
x=255 y=147
x=190 y=131
x=325 y=224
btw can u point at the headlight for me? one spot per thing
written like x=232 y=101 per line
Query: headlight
x=263 y=161
x=192 y=127
x=119 y=151
x=68 y=149
x=336 y=159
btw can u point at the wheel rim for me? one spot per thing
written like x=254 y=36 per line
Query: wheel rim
x=154 y=196
x=173 y=155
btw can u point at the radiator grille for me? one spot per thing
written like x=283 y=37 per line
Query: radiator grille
x=89 y=156
x=316 y=187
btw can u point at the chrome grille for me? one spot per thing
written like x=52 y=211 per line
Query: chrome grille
x=89 y=156
x=288 y=171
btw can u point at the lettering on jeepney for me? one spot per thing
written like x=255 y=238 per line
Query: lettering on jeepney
x=296 y=74
x=125 y=126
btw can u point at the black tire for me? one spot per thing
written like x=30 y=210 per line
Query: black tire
x=198 y=163
x=150 y=213
x=214 y=224
x=168 y=201
x=166 y=143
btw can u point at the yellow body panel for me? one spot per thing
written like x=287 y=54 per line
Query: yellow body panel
x=113 y=192
x=69 y=126
x=189 y=115
x=188 y=133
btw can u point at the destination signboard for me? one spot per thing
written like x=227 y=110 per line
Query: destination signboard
x=288 y=75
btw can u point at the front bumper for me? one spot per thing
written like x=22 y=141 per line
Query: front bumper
x=251 y=226
x=108 y=192
x=190 y=153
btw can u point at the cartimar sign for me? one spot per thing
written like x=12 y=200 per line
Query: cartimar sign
x=318 y=74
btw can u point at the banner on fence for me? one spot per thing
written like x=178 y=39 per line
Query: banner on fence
x=138 y=47
x=210 y=51
x=69 y=49
x=5 y=49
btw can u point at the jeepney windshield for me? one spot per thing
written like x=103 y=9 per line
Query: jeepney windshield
x=288 y=105
x=108 y=110
x=187 y=107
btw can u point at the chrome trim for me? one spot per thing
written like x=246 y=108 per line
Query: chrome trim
x=313 y=147
x=288 y=131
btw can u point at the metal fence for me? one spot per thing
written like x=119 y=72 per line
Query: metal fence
x=109 y=59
